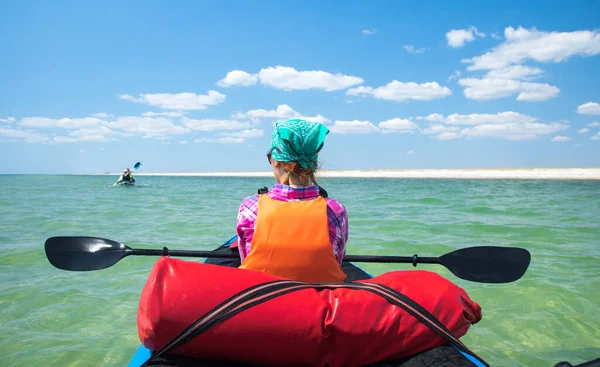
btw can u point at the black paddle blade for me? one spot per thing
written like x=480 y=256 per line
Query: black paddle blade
x=84 y=253
x=488 y=264
x=137 y=165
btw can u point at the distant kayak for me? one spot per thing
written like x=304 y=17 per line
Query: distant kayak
x=125 y=183
x=126 y=179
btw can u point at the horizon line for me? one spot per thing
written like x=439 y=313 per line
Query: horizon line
x=441 y=173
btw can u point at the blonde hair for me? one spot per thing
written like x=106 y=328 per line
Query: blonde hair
x=306 y=176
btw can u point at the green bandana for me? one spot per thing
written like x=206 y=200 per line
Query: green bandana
x=298 y=141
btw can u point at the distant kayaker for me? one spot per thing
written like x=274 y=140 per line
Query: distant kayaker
x=294 y=230
x=126 y=176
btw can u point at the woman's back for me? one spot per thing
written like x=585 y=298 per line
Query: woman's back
x=337 y=217
x=294 y=230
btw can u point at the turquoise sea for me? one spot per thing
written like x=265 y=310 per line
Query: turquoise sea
x=52 y=317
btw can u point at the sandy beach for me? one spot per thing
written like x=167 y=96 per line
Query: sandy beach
x=476 y=173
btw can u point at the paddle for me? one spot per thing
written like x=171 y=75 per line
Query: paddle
x=483 y=264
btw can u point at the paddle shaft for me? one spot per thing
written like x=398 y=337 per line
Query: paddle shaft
x=485 y=264
x=356 y=258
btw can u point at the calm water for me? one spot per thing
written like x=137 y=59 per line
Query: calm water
x=88 y=319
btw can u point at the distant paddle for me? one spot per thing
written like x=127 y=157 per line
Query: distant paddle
x=483 y=264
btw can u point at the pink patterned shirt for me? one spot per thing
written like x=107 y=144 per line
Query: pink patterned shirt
x=337 y=218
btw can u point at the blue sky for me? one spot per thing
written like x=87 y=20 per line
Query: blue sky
x=90 y=87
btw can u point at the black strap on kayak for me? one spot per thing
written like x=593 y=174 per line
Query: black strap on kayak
x=266 y=291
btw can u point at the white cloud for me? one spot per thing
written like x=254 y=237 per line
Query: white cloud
x=282 y=111
x=227 y=140
x=577 y=145
x=108 y=129
x=63 y=123
x=412 y=50
x=166 y=114
x=513 y=131
x=458 y=37
x=353 y=127
x=507 y=75
x=395 y=125
x=183 y=142
x=369 y=32
x=63 y=139
x=100 y=115
x=454 y=75
x=596 y=137
x=288 y=78
x=9 y=120
x=400 y=91
x=438 y=129
x=522 y=44
x=479 y=118
x=488 y=88
x=410 y=152
x=496 y=36
x=362 y=90
x=560 y=139
x=504 y=82
x=238 y=77
x=519 y=72
x=213 y=124
x=28 y=136
x=94 y=133
x=504 y=125
x=147 y=127
x=447 y=136
x=84 y=129
x=398 y=125
x=179 y=101
x=590 y=108
x=594 y=124
x=246 y=134
x=583 y=131
x=434 y=117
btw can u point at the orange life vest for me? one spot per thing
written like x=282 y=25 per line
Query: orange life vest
x=291 y=240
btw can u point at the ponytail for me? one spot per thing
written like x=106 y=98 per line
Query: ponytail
x=306 y=176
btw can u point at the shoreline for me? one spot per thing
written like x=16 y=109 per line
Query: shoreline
x=452 y=173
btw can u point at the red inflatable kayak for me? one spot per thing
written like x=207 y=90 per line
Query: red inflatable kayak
x=310 y=326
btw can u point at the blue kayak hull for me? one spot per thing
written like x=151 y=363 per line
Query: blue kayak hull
x=140 y=356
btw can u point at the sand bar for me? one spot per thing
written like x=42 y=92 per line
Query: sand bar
x=475 y=173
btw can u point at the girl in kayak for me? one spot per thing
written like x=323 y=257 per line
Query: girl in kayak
x=294 y=230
